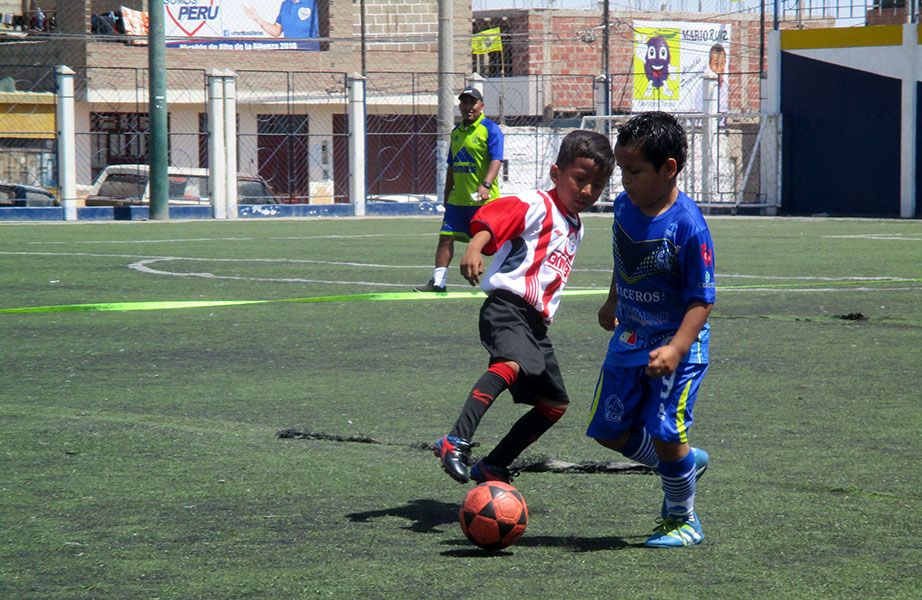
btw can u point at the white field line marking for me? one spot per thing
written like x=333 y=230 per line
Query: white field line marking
x=876 y=288
x=238 y=239
x=194 y=258
x=886 y=237
x=142 y=265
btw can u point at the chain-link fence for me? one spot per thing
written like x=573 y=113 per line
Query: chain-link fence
x=293 y=133
x=732 y=164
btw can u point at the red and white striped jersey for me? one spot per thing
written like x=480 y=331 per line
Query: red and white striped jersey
x=533 y=246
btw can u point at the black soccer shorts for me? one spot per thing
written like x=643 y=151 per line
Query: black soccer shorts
x=511 y=329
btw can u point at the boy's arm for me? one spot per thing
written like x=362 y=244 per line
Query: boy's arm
x=664 y=360
x=472 y=261
x=607 y=312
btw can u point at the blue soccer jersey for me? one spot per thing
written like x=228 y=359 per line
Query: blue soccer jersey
x=662 y=264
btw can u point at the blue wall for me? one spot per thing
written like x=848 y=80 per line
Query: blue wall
x=841 y=141
x=254 y=211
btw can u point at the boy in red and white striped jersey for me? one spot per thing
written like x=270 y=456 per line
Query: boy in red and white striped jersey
x=533 y=238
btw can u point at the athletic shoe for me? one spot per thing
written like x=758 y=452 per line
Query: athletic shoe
x=676 y=532
x=454 y=453
x=430 y=287
x=483 y=471
x=701 y=465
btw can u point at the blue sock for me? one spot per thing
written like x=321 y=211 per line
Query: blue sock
x=639 y=448
x=679 y=485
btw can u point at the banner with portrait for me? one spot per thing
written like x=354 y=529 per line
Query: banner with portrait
x=242 y=24
x=671 y=60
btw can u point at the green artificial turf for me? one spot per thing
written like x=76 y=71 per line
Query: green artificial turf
x=140 y=456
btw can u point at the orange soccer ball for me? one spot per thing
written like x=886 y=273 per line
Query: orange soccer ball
x=493 y=515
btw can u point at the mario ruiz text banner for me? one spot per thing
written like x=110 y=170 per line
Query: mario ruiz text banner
x=671 y=60
x=242 y=24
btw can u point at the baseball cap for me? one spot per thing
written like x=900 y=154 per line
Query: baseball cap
x=472 y=92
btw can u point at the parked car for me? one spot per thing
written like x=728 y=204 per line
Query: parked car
x=124 y=185
x=17 y=194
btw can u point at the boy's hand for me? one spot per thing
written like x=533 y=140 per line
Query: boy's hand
x=472 y=267
x=663 y=361
x=607 y=319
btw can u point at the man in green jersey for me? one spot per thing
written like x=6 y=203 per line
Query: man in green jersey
x=474 y=160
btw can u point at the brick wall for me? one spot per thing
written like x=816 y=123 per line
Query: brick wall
x=401 y=36
x=562 y=44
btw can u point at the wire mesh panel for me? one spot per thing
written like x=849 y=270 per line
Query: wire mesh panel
x=733 y=160
x=27 y=125
x=113 y=127
x=286 y=136
x=401 y=134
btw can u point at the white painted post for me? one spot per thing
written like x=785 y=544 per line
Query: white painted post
x=216 y=157
x=356 y=117
x=709 y=164
x=770 y=145
x=230 y=142
x=600 y=103
x=66 y=133
x=908 y=120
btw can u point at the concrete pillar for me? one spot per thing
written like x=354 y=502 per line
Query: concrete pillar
x=66 y=133
x=709 y=162
x=217 y=177
x=908 y=120
x=770 y=142
x=230 y=142
x=356 y=118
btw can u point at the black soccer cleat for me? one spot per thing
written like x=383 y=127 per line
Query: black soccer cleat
x=430 y=287
x=455 y=455
x=484 y=471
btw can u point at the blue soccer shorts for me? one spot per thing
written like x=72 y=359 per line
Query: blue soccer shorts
x=457 y=221
x=627 y=397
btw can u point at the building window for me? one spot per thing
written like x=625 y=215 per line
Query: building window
x=119 y=139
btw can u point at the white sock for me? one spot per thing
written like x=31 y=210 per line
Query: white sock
x=439 y=275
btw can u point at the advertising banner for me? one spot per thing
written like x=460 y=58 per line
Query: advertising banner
x=671 y=60
x=242 y=24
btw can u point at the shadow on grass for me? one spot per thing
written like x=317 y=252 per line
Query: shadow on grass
x=571 y=543
x=428 y=516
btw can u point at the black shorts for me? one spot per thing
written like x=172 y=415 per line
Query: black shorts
x=511 y=329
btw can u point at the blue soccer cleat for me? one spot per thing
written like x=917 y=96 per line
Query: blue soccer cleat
x=483 y=471
x=454 y=453
x=701 y=465
x=676 y=532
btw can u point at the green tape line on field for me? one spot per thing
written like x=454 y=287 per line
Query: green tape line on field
x=127 y=306
x=171 y=305
x=386 y=296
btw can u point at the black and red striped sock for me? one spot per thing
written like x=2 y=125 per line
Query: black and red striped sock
x=525 y=432
x=490 y=385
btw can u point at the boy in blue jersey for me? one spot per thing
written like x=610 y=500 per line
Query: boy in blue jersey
x=661 y=295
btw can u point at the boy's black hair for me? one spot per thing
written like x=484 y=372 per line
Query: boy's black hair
x=658 y=136
x=584 y=143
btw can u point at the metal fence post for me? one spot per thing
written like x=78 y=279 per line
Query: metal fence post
x=356 y=85
x=67 y=141
x=216 y=158
x=230 y=142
